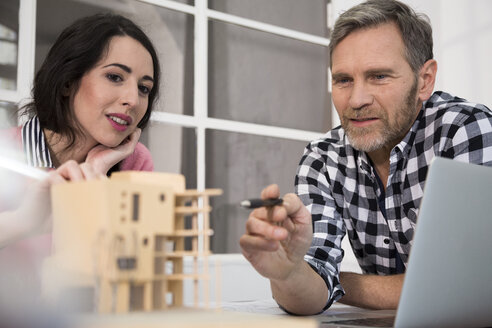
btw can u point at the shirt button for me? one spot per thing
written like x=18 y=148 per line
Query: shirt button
x=386 y=241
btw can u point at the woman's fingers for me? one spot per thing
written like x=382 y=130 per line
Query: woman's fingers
x=90 y=173
x=72 y=171
x=135 y=135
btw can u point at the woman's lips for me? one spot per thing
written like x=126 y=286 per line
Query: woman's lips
x=120 y=122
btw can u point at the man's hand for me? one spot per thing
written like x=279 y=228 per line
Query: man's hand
x=103 y=158
x=276 y=247
x=275 y=243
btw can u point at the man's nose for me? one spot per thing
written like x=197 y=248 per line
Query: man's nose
x=360 y=95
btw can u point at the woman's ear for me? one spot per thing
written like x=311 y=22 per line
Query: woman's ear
x=427 y=79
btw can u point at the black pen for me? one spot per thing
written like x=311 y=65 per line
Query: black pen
x=256 y=202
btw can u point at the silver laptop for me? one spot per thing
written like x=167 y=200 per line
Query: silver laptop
x=448 y=281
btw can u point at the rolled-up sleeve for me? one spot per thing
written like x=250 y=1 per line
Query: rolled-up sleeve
x=325 y=254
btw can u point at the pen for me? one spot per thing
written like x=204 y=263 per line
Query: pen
x=256 y=202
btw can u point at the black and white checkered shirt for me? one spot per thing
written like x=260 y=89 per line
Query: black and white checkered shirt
x=339 y=186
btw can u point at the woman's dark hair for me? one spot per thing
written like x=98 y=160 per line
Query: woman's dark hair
x=76 y=51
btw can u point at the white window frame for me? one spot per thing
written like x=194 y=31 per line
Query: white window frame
x=200 y=120
x=25 y=56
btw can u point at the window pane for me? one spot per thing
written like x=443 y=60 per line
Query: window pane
x=9 y=30
x=171 y=33
x=173 y=150
x=8 y=115
x=261 y=78
x=241 y=165
x=303 y=16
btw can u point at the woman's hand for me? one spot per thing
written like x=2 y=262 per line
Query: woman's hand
x=103 y=158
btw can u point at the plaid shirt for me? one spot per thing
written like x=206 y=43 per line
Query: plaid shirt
x=339 y=186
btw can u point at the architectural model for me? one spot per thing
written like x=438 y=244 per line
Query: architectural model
x=119 y=243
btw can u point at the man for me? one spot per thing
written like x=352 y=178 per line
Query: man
x=365 y=178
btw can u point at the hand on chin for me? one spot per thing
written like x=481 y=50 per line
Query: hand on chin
x=103 y=157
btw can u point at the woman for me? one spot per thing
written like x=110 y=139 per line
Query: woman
x=92 y=96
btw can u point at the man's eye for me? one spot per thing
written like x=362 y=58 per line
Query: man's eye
x=379 y=76
x=342 y=81
x=114 y=77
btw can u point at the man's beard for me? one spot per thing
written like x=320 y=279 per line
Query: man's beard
x=372 y=138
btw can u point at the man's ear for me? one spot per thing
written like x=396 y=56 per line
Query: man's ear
x=427 y=79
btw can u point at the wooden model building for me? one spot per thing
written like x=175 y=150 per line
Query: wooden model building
x=122 y=242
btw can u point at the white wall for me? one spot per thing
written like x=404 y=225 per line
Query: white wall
x=463 y=46
x=233 y=279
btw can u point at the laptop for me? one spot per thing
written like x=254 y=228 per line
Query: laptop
x=448 y=281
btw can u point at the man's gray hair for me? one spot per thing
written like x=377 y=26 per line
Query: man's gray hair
x=415 y=28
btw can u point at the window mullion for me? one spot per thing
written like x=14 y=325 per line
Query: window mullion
x=201 y=85
x=27 y=45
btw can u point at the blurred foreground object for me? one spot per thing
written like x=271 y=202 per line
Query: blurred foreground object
x=184 y=318
x=119 y=244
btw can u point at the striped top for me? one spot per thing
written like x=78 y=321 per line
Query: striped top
x=38 y=155
x=34 y=143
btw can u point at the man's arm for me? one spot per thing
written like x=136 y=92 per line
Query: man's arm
x=304 y=292
x=275 y=243
x=371 y=291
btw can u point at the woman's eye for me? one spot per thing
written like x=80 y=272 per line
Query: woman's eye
x=143 y=89
x=114 y=77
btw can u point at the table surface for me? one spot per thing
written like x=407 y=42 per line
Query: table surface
x=337 y=312
x=239 y=314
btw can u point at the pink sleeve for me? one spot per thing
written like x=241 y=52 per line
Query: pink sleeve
x=12 y=136
x=140 y=160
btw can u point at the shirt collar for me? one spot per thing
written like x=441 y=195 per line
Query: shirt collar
x=34 y=144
